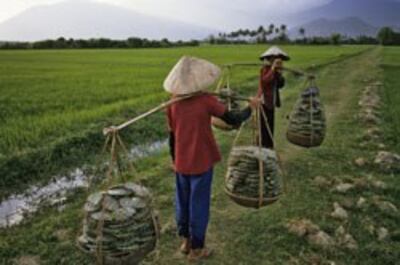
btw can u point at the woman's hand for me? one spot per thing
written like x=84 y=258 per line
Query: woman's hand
x=255 y=102
x=277 y=65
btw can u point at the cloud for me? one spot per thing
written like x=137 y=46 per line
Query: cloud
x=8 y=8
x=220 y=14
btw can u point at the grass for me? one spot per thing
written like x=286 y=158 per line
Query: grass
x=243 y=236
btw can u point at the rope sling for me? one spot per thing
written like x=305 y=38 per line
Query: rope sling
x=228 y=99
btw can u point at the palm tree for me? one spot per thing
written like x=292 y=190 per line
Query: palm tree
x=336 y=38
x=386 y=36
x=283 y=28
x=302 y=32
x=271 y=28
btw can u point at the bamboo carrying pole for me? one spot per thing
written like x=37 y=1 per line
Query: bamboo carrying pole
x=224 y=95
x=113 y=129
x=296 y=72
x=160 y=107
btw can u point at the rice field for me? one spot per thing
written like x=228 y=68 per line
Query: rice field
x=49 y=94
x=54 y=102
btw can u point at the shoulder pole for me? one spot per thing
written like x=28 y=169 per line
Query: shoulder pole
x=294 y=71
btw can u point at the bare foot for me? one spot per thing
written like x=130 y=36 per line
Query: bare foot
x=196 y=255
x=185 y=247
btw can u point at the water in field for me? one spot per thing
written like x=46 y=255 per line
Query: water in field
x=14 y=209
x=141 y=151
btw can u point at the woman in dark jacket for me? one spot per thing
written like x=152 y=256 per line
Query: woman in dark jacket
x=271 y=81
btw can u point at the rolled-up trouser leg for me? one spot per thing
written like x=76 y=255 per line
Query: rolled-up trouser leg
x=182 y=200
x=200 y=196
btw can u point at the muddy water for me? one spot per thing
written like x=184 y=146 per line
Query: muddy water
x=142 y=151
x=17 y=207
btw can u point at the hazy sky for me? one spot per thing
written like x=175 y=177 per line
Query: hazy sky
x=185 y=10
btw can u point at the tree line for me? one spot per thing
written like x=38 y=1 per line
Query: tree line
x=101 y=43
x=272 y=34
x=278 y=34
x=260 y=35
x=387 y=36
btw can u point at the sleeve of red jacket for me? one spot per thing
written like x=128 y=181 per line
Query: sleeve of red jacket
x=260 y=84
x=266 y=76
x=215 y=108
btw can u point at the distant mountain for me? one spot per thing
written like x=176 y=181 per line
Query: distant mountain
x=375 y=12
x=88 y=19
x=323 y=27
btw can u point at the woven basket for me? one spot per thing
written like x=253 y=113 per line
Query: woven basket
x=122 y=259
x=120 y=256
x=250 y=202
x=304 y=141
x=271 y=190
x=130 y=259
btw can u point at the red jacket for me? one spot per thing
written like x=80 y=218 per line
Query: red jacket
x=269 y=85
x=195 y=149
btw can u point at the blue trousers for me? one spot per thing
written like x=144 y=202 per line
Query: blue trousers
x=193 y=195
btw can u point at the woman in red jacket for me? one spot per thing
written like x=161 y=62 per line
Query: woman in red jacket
x=193 y=148
x=271 y=81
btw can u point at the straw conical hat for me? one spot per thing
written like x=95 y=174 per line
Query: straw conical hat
x=275 y=51
x=191 y=75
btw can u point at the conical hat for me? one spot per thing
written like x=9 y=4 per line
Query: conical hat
x=191 y=75
x=275 y=51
